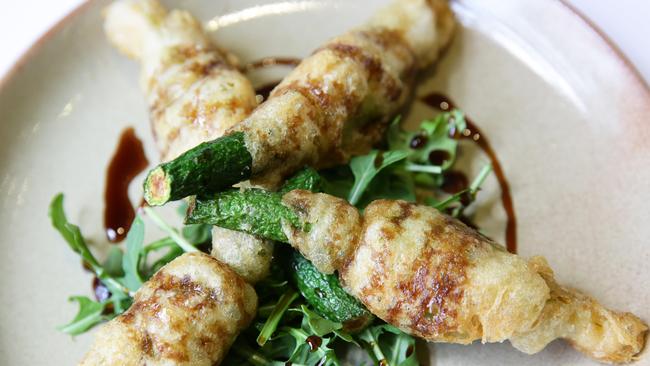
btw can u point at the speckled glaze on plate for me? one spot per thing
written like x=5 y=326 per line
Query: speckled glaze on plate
x=567 y=116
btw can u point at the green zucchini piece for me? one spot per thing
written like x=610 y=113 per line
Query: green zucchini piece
x=262 y=213
x=253 y=211
x=325 y=294
x=207 y=168
x=307 y=179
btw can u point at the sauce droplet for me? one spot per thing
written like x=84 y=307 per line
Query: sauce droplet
x=314 y=342
x=101 y=291
x=438 y=157
x=474 y=134
x=418 y=141
x=266 y=89
x=439 y=101
x=409 y=351
x=127 y=162
x=454 y=181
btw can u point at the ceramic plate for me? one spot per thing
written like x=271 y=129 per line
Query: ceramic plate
x=567 y=116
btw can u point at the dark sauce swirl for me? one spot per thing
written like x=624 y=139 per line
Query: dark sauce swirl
x=474 y=134
x=128 y=161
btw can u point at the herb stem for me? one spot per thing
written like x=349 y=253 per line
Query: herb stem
x=111 y=283
x=374 y=345
x=296 y=333
x=433 y=169
x=377 y=351
x=159 y=244
x=250 y=354
x=272 y=322
x=355 y=194
x=451 y=199
x=265 y=311
x=472 y=190
x=480 y=178
x=184 y=244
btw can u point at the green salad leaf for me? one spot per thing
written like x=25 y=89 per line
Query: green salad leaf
x=123 y=272
x=198 y=233
x=173 y=233
x=131 y=261
x=393 y=184
x=366 y=167
x=287 y=328
x=113 y=263
x=77 y=243
x=386 y=343
x=89 y=314
x=436 y=134
x=316 y=324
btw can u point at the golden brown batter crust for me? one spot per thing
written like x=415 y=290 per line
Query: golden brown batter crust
x=433 y=277
x=187 y=314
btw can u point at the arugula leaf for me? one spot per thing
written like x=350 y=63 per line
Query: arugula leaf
x=370 y=338
x=243 y=354
x=399 y=347
x=113 y=263
x=305 y=355
x=337 y=181
x=120 y=301
x=77 y=243
x=312 y=354
x=306 y=343
x=89 y=314
x=173 y=252
x=173 y=233
x=436 y=134
x=69 y=232
x=368 y=182
x=316 y=324
x=197 y=234
x=131 y=261
x=326 y=331
x=280 y=347
x=366 y=167
x=393 y=184
x=387 y=343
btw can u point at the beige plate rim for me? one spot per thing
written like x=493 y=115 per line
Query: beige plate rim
x=79 y=9
x=627 y=75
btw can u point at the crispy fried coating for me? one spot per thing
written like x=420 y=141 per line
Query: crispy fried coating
x=247 y=255
x=187 y=314
x=334 y=224
x=433 y=277
x=606 y=335
x=194 y=92
x=338 y=101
